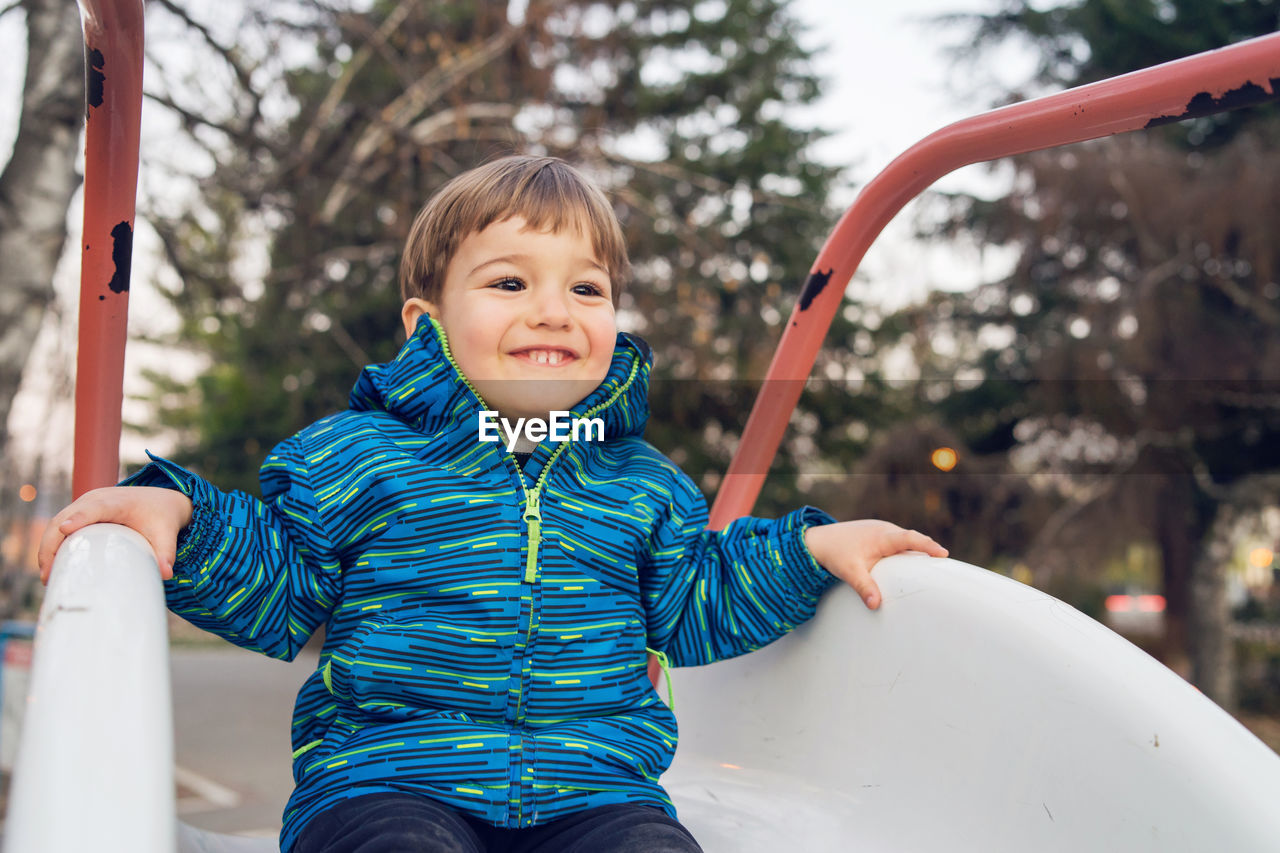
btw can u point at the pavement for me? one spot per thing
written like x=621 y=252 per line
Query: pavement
x=232 y=710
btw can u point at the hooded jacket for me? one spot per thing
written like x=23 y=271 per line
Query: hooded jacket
x=486 y=626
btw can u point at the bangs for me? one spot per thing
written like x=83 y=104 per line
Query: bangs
x=548 y=193
x=552 y=197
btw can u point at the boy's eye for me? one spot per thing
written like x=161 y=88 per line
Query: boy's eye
x=508 y=283
x=586 y=288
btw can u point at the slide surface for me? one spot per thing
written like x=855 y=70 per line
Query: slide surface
x=971 y=712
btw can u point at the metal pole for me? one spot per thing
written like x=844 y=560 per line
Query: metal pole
x=113 y=33
x=1237 y=76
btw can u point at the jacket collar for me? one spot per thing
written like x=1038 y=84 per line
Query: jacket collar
x=422 y=386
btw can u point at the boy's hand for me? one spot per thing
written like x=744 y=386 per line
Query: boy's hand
x=158 y=514
x=849 y=549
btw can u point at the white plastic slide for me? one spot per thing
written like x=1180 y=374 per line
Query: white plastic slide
x=970 y=713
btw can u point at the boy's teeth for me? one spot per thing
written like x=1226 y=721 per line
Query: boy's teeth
x=545 y=357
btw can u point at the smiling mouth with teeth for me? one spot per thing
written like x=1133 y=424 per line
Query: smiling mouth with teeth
x=550 y=357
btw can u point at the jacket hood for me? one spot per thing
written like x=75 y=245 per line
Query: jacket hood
x=422 y=386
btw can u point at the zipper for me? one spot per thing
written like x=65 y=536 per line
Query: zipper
x=532 y=518
x=533 y=512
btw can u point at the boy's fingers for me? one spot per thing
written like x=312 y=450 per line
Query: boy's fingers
x=861 y=581
x=163 y=540
x=72 y=523
x=48 y=547
x=920 y=542
x=60 y=527
x=165 y=555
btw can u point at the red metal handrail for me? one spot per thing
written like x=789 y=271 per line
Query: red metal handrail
x=1240 y=75
x=113 y=70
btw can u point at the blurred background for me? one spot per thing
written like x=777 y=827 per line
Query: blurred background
x=1065 y=366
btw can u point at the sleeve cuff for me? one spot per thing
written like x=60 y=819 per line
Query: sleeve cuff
x=198 y=539
x=808 y=574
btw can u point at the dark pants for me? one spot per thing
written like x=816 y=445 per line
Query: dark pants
x=404 y=823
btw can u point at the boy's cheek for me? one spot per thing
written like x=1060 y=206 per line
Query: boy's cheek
x=600 y=363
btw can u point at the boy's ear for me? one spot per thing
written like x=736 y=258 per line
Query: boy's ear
x=414 y=309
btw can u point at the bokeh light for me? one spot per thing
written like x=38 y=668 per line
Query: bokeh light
x=944 y=458
x=27 y=493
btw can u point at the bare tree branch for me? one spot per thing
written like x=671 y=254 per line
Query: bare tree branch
x=373 y=254
x=243 y=75
x=339 y=89
x=447 y=126
x=705 y=182
x=1144 y=287
x=1242 y=399
x=691 y=237
x=1244 y=299
x=359 y=358
x=191 y=120
x=404 y=109
x=1120 y=182
x=169 y=243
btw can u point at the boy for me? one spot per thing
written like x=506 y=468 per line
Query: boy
x=483 y=681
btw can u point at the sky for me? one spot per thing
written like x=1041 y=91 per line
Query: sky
x=889 y=84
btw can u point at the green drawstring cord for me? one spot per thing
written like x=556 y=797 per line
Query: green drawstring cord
x=666 y=673
x=307 y=748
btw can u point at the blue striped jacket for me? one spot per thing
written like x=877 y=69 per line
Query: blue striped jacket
x=486 y=626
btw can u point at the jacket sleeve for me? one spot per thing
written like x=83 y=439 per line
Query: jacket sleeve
x=260 y=573
x=713 y=595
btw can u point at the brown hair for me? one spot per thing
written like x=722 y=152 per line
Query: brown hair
x=546 y=191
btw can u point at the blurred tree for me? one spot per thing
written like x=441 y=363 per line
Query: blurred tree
x=681 y=113
x=38 y=182
x=36 y=188
x=1131 y=359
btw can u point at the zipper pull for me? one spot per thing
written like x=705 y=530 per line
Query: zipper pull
x=533 y=518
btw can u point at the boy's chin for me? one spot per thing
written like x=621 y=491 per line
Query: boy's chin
x=535 y=398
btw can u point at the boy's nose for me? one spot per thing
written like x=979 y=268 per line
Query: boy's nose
x=550 y=308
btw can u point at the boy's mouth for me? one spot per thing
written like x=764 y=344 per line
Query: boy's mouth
x=550 y=356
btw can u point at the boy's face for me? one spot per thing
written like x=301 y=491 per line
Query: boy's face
x=528 y=315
